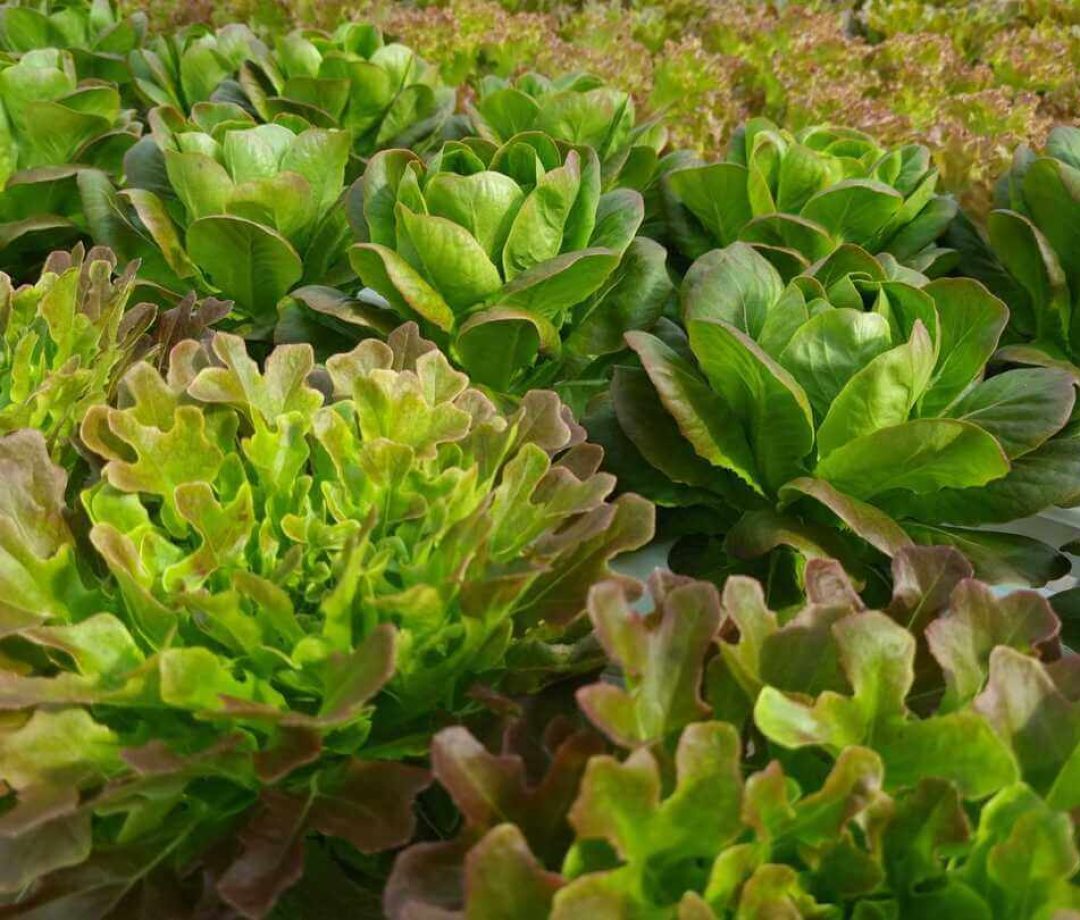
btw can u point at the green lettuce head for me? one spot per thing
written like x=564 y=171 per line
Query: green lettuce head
x=845 y=414
x=797 y=197
x=384 y=95
x=54 y=124
x=577 y=109
x=511 y=255
x=306 y=570
x=1032 y=257
x=97 y=36
x=230 y=207
x=194 y=64
x=916 y=760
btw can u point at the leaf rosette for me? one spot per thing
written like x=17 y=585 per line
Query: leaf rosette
x=297 y=577
x=797 y=197
x=825 y=762
x=845 y=414
x=383 y=94
x=1031 y=256
x=229 y=206
x=193 y=64
x=55 y=123
x=510 y=254
x=577 y=109
x=96 y=34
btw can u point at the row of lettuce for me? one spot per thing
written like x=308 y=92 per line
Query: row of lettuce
x=971 y=77
x=312 y=469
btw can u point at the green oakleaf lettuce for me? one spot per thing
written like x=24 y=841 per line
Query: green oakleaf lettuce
x=797 y=197
x=848 y=413
x=302 y=568
x=54 y=123
x=512 y=255
x=940 y=784
x=65 y=342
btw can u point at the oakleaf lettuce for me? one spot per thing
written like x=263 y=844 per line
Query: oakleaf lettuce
x=305 y=571
x=800 y=763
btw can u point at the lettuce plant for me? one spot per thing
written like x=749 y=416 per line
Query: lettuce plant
x=98 y=38
x=384 y=95
x=1033 y=257
x=917 y=760
x=796 y=197
x=52 y=125
x=193 y=65
x=230 y=206
x=65 y=342
x=306 y=571
x=575 y=109
x=846 y=414
x=510 y=254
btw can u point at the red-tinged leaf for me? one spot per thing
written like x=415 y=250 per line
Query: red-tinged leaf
x=580 y=554
x=1039 y=722
x=828 y=584
x=504 y=879
x=271 y=857
x=293 y=747
x=428 y=881
x=661 y=655
x=923 y=581
x=42 y=847
x=978 y=621
x=490 y=789
x=351 y=680
x=37 y=805
x=372 y=806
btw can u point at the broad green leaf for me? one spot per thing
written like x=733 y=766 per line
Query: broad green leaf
x=484 y=203
x=826 y=351
x=716 y=195
x=879 y=395
x=201 y=183
x=1021 y=408
x=763 y=397
x=536 y=234
x=924 y=455
x=451 y=259
x=734 y=285
x=854 y=210
x=248 y=262
x=702 y=416
x=971 y=320
x=383 y=270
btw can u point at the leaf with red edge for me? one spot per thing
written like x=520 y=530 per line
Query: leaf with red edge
x=272 y=854
x=504 y=879
x=661 y=655
x=978 y=621
x=371 y=806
